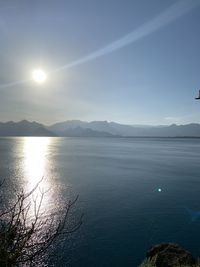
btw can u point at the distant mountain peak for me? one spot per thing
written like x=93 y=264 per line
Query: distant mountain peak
x=96 y=129
x=24 y=128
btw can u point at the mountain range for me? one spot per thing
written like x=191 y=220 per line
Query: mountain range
x=24 y=128
x=77 y=128
x=116 y=129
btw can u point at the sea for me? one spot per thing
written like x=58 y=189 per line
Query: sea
x=133 y=192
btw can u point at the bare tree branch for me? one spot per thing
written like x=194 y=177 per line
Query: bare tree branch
x=23 y=240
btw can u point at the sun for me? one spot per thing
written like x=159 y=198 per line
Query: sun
x=39 y=76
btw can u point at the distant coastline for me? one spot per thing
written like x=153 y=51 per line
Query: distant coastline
x=76 y=128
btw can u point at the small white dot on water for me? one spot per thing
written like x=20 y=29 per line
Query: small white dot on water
x=159 y=190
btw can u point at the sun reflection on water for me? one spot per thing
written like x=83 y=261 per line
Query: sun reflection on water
x=35 y=158
x=35 y=152
x=43 y=207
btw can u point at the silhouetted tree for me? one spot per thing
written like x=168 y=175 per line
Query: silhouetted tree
x=25 y=239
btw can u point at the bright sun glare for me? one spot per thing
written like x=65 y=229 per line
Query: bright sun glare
x=39 y=76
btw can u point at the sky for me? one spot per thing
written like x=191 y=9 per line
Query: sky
x=128 y=61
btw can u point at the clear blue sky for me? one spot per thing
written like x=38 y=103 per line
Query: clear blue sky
x=152 y=80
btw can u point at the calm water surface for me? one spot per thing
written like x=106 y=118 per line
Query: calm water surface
x=117 y=180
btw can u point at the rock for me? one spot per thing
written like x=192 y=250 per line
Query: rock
x=170 y=255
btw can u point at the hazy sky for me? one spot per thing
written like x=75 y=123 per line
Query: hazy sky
x=129 y=61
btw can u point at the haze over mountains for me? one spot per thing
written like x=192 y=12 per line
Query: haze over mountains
x=76 y=128
x=24 y=128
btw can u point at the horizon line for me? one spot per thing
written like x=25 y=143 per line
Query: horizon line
x=106 y=121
